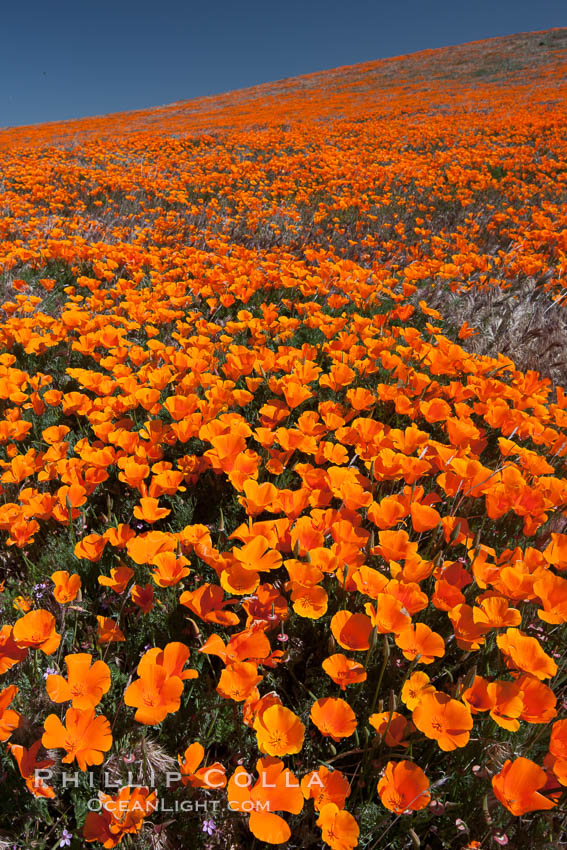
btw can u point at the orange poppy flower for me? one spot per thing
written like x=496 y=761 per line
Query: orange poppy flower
x=85 y=685
x=368 y=581
x=169 y=569
x=29 y=768
x=325 y=786
x=552 y=591
x=9 y=719
x=10 y=653
x=149 y=510
x=249 y=643
x=518 y=784
x=419 y=641
x=66 y=586
x=22 y=604
x=389 y=615
x=208 y=602
x=238 y=680
x=525 y=653
x=119 y=536
x=495 y=612
x=257 y=497
x=118 y=579
x=443 y=719
x=276 y=790
x=310 y=602
x=172 y=658
x=539 y=701
x=279 y=731
x=333 y=717
x=120 y=815
x=424 y=517
x=154 y=695
x=344 y=671
x=351 y=631
x=143 y=547
x=414 y=687
x=257 y=556
x=90 y=547
x=84 y=737
x=393 y=727
x=108 y=630
x=506 y=704
x=143 y=597
x=266 y=607
x=477 y=697
x=404 y=787
x=37 y=631
x=338 y=827
x=254 y=705
x=212 y=776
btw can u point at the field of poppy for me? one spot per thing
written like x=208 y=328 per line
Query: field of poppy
x=283 y=546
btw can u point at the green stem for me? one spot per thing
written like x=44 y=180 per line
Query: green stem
x=385 y=659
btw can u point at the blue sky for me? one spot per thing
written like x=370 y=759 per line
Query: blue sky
x=61 y=59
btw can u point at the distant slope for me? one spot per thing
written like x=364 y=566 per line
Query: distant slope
x=533 y=64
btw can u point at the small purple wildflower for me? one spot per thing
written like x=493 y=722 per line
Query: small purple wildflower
x=209 y=826
x=66 y=839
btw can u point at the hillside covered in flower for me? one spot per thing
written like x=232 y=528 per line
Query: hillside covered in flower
x=283 y=483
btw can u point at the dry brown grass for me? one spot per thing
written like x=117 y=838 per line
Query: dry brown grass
x=523 y=323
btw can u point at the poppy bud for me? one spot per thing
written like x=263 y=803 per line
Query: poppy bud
x=192 y=628
x=469 y=678
x=455 y=533
x=331 y=645
x=392 y=702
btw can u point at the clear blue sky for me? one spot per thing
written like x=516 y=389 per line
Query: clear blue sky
x=63 y=59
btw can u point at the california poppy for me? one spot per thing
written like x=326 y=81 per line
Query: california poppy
x=393 y=727
x=333 y=717
x=84 y=737
x=325 y=786
x=344 y=671
x=446 y=720
x=108 y=630
x=518 y=784
x=10 y=652
x=238 y=679
x=404 y=787
x=119 y=815
x=339 y=828
x=66 y=586
x=118 y=580
x=37 y=631
x=279 y=731
x=526 y=653
x=30 y=769
x=276 y=790
x=154 y=695
x=85 y=685
x=420 y=642
x=210 y=776
x=9 y=719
